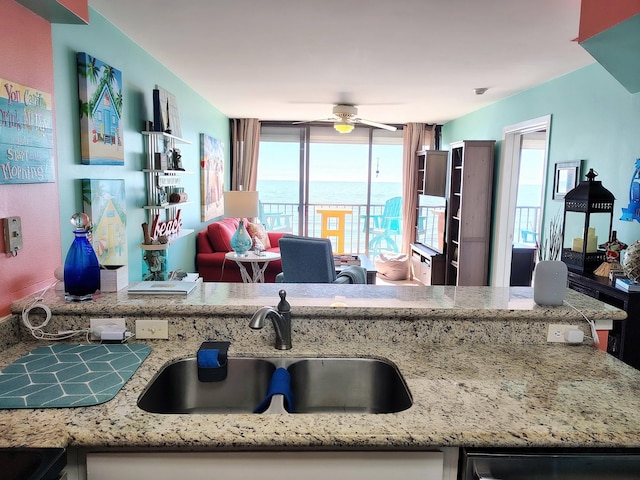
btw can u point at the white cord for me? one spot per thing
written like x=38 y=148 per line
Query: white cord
x=37 y=331
x=592 y=324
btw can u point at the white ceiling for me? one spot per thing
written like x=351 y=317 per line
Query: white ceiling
x=399 y=61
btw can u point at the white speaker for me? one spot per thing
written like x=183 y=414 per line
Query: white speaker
x=549 y=283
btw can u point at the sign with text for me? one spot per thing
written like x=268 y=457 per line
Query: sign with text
x=26 y=135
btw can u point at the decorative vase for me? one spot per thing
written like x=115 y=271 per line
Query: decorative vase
x=81 y=266
x=241 y=241
x=631 y=261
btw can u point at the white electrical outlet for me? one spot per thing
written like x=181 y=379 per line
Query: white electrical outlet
x=98 y=324
x=556 y=332
x=152 y=329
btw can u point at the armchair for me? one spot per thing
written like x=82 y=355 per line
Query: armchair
x=310 y=260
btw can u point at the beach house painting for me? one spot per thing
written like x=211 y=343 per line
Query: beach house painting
x=103 y=200
x=100 y=93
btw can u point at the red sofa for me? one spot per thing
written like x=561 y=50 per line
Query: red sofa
x=214 y=242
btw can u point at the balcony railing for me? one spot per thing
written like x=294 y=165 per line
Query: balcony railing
x=359 y=228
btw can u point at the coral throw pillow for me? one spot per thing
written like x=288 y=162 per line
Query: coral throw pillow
x=257 y=230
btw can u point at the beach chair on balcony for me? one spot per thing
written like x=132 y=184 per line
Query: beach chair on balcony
x=384 y=228
x=529 y=236
x=274 y=221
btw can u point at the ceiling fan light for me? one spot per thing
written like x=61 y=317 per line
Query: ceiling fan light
x=343 y=127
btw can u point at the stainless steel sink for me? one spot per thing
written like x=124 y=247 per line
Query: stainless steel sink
x=353 y=385
x=319 y=385
x=176 y=389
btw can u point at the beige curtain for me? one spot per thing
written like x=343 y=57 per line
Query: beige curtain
x=245 y=141
x=415 y=137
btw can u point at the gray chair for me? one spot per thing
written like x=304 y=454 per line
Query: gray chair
x=310 y=260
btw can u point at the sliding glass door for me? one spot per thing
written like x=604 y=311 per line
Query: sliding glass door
x=309 y=173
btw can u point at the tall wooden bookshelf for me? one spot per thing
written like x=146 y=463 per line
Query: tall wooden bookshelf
x=470 y=198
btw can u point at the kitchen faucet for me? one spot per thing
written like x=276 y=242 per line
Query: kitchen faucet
x=281 y=319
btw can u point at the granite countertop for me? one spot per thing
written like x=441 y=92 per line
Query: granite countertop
x=493 y=390
x=331 y=300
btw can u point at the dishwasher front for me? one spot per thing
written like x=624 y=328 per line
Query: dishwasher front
x=556 y=464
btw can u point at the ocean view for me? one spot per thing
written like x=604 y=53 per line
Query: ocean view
x=353 y=193
x=348 y=193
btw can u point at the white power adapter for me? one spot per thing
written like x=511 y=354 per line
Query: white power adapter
x=573 y=336
x=112 y=333
x=115 y=333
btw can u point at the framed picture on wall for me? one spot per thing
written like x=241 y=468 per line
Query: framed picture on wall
x=101 y=125
x=566 y=177
x=104 y=201
x=212 y=177
x=26 y=135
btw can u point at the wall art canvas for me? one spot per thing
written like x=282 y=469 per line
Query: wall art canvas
x=26 y=135
x=165 y=113
x=101 y=128
x=212 y=177
x=104 y=202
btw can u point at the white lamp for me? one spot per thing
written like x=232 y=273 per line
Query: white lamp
x=241 y=204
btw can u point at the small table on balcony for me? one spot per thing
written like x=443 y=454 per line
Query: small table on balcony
x=333 y=225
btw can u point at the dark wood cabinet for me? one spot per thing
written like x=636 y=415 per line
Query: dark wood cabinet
x=624 y=339
x=432 y=172
x=431 y=202
x=427 y=265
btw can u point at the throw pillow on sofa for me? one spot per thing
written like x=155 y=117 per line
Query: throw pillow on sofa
x=220 y=234
x=257 y=230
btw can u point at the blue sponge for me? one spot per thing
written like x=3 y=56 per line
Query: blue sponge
x=280 y=384
x=208 y=358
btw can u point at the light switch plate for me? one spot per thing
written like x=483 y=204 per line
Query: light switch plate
x=12 y=234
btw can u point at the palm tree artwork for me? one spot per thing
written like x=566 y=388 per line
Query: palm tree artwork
x=100 y=100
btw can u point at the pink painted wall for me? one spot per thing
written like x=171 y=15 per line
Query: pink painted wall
x=26 y=57
x=597 y=15
x=79 y=7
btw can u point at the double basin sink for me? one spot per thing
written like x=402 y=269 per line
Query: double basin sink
x=319 y=385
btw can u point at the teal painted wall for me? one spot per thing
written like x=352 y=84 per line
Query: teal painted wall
x=593 y=118
x=141 y=73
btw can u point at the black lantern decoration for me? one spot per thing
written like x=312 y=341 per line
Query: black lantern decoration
x=588 y=215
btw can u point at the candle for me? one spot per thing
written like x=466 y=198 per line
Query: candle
x=577 y=245
x=592 y=241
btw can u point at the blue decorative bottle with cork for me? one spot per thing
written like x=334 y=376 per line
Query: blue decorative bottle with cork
x=81 y=266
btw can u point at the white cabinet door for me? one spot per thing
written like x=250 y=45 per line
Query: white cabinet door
x=266 y=466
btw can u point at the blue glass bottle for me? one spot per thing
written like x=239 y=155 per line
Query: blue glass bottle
x=81 y=267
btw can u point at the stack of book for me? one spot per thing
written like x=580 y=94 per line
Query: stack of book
x=345 y=260
x=163 y=287
x=627 y=285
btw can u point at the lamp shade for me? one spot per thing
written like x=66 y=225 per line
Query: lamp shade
x=241 y=204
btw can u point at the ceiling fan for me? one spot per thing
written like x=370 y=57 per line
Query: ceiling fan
x=346 y=116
